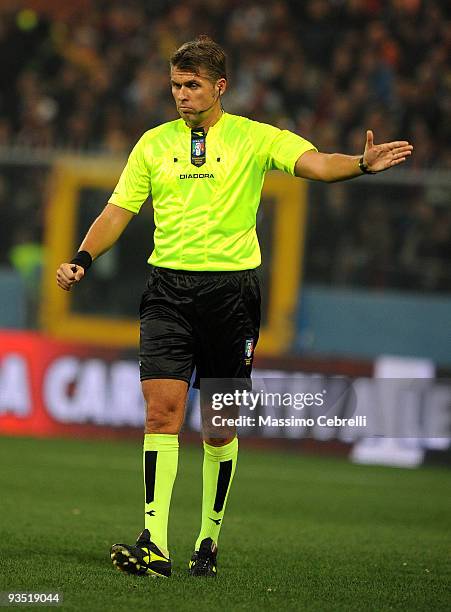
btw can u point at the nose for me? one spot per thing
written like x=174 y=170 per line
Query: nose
x=182 y=94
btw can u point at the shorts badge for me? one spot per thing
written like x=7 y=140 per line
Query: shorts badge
x=248 y=350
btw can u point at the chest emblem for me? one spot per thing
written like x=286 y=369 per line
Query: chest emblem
x=198 y=147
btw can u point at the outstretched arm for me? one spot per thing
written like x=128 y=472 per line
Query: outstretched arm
x=330 y=167
x=101 y=236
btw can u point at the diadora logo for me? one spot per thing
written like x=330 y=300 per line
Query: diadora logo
x=195 y=176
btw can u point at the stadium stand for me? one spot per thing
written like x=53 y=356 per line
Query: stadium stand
x=92 y=76
x=97 y=78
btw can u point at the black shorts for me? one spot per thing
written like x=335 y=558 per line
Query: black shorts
x=204 y=320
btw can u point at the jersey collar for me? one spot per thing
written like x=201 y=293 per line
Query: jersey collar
x=186 y=127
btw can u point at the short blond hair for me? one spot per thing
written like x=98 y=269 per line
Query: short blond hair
x=203 y=52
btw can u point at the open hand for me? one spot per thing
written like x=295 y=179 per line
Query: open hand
x=383 y=156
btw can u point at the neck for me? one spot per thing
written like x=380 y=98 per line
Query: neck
x=207 y=121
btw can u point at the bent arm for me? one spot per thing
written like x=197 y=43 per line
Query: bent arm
x=106 y=230
x=101 y=236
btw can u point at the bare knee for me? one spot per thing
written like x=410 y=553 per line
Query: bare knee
x=218 y=441
x=165 y=405
x=163 y=417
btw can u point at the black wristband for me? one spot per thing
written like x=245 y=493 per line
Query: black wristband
x=363 y=167
x=83 y=259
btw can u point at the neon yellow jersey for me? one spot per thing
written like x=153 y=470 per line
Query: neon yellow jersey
x=205 y=216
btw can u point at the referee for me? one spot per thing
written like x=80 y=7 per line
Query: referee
x=201 y=307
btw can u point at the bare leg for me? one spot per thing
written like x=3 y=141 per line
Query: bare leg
x=165 y=405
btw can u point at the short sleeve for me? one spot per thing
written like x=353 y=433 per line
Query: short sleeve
x=285 y=149
x=134 y=184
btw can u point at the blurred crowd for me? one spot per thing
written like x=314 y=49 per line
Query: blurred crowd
x=355 y=239
x=93 y=75
x=96 y=76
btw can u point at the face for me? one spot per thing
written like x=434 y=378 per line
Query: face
x=195 y=95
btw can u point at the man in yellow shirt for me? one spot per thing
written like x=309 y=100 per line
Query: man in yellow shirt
x=201 y=308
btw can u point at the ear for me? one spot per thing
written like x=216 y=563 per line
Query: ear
x=222 y=86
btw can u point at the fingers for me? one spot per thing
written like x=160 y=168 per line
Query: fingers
x=400 y=157
x=391 y=153
x=79 y=273
x=369 y=138
x=402 y=152
x=68 y=274
x=399 y=152
x=399 y=143
x=395 y=162
x=395 y=146
x=65 y=276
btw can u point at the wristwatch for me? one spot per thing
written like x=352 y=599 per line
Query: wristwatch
x=364 y=168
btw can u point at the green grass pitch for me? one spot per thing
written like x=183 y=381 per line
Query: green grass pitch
x=300 y=532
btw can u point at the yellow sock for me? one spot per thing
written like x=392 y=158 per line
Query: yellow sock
x=160 y=459
x=218 y=470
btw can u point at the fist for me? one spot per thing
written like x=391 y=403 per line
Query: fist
x=68 y=274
